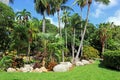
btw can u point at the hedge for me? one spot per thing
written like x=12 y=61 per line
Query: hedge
x=112 y=59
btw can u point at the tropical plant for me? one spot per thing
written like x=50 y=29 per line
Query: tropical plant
x=23 y=16
x=6 y=24
x=89 y=2
x=42 y=7
x=56 y=6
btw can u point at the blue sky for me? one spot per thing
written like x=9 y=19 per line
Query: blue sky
x=99 y=13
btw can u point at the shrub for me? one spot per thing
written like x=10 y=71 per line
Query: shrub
x=17 y=62
x=5 y=62
x=51 y=65
x=89 y=52
x=112 y=59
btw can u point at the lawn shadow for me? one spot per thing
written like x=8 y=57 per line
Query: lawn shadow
x=101 y=65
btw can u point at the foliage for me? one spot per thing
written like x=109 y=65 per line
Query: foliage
x=90 y=52
x=51 y=65
x=6 y=62
x=112 y=59
x=37 y=65
x=6 y=23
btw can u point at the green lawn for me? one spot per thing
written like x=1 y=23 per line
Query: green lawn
x=88 y=72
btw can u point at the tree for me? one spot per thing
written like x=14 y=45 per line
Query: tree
x=85 y=27
x=6 y=24
x=23 y=16
x=56 y=7
x=33 y=30
x=66 y=19
x=42 y=7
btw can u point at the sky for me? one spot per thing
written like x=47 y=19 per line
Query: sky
x=99 y=13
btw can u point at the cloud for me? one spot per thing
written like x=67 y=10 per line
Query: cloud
x=101 y=7
x=115 y=18
x=5 y=1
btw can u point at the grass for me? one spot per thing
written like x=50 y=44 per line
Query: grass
x=88 y=72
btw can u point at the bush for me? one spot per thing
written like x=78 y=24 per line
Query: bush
x=5 y=62
x=89 y=52
x=112 y=59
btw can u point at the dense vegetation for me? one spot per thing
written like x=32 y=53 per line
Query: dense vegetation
x=25 y=39
x=112 y=59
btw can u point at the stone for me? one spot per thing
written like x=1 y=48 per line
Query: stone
x=26 y=68
x=85 y=62
x=79 y=63
x=43 y=69
x=37 y=70
x=91 y=61
x=62 y=67
x=11 y=70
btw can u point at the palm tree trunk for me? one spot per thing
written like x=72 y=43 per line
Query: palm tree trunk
x=43 y=25
x=59 y=23
x=73 y=46
x=81 y=32
x=103 y=48
x=82 y=39
x=63 y=57
x=66 y=39
x=29 y=51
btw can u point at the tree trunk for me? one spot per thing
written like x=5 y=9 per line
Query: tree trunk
x=28 y=51
x=103 y=48
x=81 y=33
x=63 y=57
x=73 y=46
x=43 y=25
x=66 y=40
x=82 y=39
x=60 y=32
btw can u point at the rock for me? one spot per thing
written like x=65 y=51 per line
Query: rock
x=37 y=70
x=43 y=69
x=68 y=64
x=91 y=61
x=62 y=67
x=11 y=70
x=26 y=68
x=85 y=62
x=79 y=63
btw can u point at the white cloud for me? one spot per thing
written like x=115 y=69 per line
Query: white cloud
x=101 y=7
x=115 y=18
x=5 y=1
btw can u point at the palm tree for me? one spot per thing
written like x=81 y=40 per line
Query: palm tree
x=11 y=1
x=23 y=16
x=81 y=4
x=33 y=30
x=58 y=5
x=66 y=19
x=75 y=22
x=104 y=34
x=42 y=7
x=85 y=27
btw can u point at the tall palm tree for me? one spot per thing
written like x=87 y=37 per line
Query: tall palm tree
x=81 y=4
x=33 y=30
x=85 y=27
x=58 y=5
x=75 y=22
x=66 y=19
x=23 y=16
x=42 y=7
